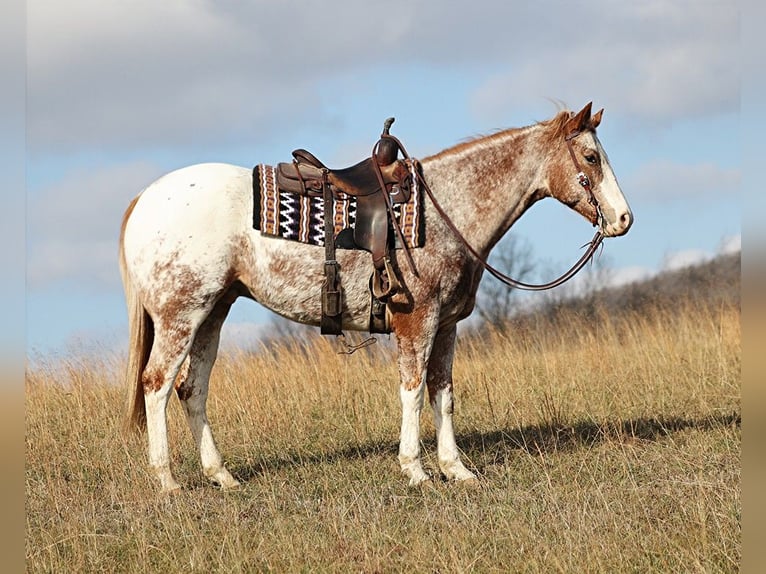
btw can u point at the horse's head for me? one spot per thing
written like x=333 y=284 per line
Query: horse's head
x=580 y=175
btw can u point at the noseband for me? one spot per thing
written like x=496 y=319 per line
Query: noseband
x=593 y=244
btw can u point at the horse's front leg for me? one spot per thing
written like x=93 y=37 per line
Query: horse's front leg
x=439 y=381
x=414 y=336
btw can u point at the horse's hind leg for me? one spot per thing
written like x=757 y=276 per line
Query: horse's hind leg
x=169 y=350
x=192 y=390
x=439 y=381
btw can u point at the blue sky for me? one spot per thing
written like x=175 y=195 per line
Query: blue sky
x=120 y=93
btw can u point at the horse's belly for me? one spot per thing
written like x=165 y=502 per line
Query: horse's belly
x=287 y=277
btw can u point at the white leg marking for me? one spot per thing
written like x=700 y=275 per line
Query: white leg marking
x=157 y=434
x=441 y=398
x=449 y=455
x=409 y=441
x=212 y=463
x=193 y=394
x=166 y=360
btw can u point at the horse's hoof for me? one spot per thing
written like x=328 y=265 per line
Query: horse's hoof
x=472 y=482
x=221 y=478
x=419 y=480
x=231 y=485
x=456 y=472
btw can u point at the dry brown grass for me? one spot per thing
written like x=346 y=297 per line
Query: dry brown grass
x=603 y=445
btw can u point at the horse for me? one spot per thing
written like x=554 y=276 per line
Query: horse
x=188 y=250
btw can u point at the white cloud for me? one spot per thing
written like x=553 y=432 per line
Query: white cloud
x=90 y=263
x=626 y=275
x=144 y=72
x=244 y=335
x=148 y=73
x=651 y=61
x=730 y=244
x=685 y=258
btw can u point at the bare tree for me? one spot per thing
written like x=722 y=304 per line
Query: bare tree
x=496 y=303
x=583 y=289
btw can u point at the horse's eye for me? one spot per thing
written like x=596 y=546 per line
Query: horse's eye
x=591 y=158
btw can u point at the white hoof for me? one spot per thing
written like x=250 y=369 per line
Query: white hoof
x=460 y=474
x=222 y=478
x=418 y=480
x=233 y=484
x=168 y=483
x=416 y=473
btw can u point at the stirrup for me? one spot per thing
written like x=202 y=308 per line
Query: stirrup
x=379 y=322
x=384 y=282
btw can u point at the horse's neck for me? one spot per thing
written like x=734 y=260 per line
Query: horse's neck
x=487 y=184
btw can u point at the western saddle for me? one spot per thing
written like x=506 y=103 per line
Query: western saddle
x=377 y=183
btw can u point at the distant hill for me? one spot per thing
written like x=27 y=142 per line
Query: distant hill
x=712 y=283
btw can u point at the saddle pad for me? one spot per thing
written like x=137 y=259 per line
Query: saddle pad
x=301 y=218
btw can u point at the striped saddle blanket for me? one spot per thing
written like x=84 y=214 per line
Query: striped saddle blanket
x=301 y=218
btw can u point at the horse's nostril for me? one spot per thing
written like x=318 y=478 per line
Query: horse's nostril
x=625 y=221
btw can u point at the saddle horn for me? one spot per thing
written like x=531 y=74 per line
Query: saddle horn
x=386 y=149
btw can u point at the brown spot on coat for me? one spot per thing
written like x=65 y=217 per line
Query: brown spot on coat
x=152 y=381
x=412 y=384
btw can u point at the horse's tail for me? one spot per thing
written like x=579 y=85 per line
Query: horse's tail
x=140 y=337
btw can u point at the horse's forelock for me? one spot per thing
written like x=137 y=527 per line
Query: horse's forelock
x=557 y=124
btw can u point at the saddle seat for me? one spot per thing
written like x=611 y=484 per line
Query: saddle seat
x=304 y=176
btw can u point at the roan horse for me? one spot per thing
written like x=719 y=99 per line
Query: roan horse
x=188 y=250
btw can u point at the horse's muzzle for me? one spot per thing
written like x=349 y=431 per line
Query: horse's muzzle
x=619 y=226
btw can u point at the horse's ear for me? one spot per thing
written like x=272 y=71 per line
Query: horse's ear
x=596 y=119
x=580 y=121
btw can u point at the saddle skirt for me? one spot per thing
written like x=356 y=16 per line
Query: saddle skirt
x=298 y=217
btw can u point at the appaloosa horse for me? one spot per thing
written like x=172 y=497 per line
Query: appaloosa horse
x=188 y=250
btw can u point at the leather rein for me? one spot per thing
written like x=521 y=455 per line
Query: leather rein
x=593 y=244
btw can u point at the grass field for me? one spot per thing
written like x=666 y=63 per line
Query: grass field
x=603 y=445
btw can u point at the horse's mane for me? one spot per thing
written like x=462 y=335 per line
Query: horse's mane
x=556 y=123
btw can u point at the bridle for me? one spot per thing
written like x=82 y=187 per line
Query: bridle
x=593 y=244
x=583 y=179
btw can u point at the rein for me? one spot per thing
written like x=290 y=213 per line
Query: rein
x=593 y=244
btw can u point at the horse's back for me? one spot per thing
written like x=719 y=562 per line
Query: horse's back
x=198 y=200
x=205 y=185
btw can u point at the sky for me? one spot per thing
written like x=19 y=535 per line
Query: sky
x=119 y=93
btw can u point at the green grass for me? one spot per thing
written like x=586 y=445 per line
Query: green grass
x=602 y=446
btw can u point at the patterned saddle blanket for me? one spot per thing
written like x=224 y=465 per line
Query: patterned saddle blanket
x=295 y=217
